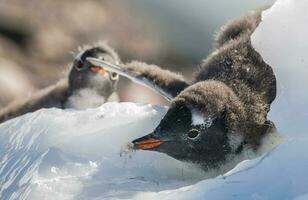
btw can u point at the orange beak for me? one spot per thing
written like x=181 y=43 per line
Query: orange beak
x=99 y=70
x=147 y=144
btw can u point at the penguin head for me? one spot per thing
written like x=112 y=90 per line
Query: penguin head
x=186 y=135
x=84 y=75
x=195 y=128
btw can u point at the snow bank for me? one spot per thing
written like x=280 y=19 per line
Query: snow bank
x=282 y=40
x=56 y=154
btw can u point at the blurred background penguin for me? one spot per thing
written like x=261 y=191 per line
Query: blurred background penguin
x=86 y=86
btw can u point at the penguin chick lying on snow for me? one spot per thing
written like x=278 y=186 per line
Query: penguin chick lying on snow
x=222 y=111
x=86 y=86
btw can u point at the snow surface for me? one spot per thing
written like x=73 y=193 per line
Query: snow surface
x=68 y=154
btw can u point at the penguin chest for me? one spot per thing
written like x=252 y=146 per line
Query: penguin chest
x=85 y=98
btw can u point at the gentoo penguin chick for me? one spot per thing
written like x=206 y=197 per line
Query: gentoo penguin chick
x=86 y=86
x=91 y=86
x=220 y=113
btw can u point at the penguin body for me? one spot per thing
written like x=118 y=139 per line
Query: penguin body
x=222 y=111
x=87 y=81
x=87 y=86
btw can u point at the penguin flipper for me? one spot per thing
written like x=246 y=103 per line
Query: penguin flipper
x=166 y=83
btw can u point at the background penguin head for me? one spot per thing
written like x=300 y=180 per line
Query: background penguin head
x=84 y=75
x=196 y=126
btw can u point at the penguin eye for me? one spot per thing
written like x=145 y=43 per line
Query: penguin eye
x=78 y=65
x=193 y=133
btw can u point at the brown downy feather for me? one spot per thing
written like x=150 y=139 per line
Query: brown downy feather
x=233 y=81
x=246 y=82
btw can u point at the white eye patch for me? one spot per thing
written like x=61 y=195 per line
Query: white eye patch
x=199 y=119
